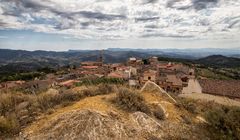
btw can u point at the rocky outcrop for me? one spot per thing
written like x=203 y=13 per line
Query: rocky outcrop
x=94 y=125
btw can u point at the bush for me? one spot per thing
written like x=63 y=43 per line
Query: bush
x=188 y=104
x=48 y=100
x=88 y=92
x=102 y=80
x=10 y=100
x=105 y=89
x=131 y=101
x=225 y=121
x=159 y=113
x=9 y=124
x=69 y=95
x=4 y=125
x=100 y=90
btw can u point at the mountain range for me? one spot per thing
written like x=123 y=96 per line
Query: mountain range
x=22 y=60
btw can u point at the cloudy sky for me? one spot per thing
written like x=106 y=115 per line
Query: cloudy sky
x=96 y=24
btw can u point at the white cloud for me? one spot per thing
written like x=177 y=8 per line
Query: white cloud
x=124 y=19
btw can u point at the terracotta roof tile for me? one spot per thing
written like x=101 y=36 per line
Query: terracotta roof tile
x=230 y=88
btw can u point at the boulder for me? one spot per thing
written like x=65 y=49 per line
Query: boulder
x=84 y=124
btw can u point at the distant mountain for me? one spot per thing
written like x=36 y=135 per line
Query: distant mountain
x=186 y=53
x=220 y=61
x=20 y=60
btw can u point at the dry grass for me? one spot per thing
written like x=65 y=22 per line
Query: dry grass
x=172 y=125
x=25 y=107
x=131 y=100
x=207 y=97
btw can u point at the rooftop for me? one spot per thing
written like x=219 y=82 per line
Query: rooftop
x=230 y=88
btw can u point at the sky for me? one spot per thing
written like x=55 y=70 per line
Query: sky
x=60 y=25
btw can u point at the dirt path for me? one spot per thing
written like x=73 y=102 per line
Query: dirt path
x=208 y=97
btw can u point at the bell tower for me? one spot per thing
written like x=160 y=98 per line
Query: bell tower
x=100 y=59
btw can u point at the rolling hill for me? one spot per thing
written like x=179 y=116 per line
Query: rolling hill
x=219 y=61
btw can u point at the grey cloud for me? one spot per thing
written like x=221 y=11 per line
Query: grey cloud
x=37 y=6
x=99 y=15
x=171 y=3
x=149 y=1
x=151 y=26
x=3 y=24
x=165 y=35
x=202 y=4
x=234 y=22
x=150 y=17
x=146 y=19
x=196 y=4
x=62 y=26
x=85 y=24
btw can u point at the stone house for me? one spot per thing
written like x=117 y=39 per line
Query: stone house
x=149 y=75
x=132 y=61
x=171 y=83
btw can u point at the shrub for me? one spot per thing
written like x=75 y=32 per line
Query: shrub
x=69 y=95
x=188 y=104
x=159 y=113
x=4 y=124
x=131 y=101
x=48 y=100
x=225 y=121
x=102 y=80
x=8 y=101
x=100 y=90
x=88 y=92
x=9 y=124
x=105 y=89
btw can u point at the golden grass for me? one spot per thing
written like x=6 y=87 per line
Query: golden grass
x=103 y=104
x=99 y=102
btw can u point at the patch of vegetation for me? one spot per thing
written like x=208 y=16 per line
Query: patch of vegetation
x=9 y=124
x=159 y=113
x=102 y=80
x=211 y=73
x=225 y=122
x=188 y=104
x=179 y=60
x=21 y=76
x=131 y=101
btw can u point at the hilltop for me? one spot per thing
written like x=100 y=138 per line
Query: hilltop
x=99 y=117
x=108 y=111
x=220 y=61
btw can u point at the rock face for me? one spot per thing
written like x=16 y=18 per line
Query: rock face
x=94 y=125
x=145 y=124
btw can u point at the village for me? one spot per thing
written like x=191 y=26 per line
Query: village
x=167 y=93
x=175 y=78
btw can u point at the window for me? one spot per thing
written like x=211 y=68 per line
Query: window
x=149 y=78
